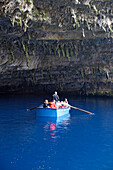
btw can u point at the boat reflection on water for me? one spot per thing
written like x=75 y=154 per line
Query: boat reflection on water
x=54 y=124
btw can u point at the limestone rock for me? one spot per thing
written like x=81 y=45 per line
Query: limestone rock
x=65 y=45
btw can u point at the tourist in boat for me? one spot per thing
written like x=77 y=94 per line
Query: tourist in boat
x=55 y=97
x=45 y=105
x=65 y=103
x=59 y=104
x=52 y=105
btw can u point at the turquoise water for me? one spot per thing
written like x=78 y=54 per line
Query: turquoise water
x=76 y=142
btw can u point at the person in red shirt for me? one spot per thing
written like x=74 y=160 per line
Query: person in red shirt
x=52 y=105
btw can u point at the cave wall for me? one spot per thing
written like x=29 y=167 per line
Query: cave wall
x=62 y=45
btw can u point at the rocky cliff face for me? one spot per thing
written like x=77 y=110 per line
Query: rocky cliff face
x=65 y=45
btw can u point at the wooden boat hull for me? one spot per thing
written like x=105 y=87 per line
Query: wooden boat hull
x=49 y=112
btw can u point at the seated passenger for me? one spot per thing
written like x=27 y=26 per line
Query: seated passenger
x=45 y=105
x=52 y=104
x=61 y=104
x=65 y=103
x=58 y=104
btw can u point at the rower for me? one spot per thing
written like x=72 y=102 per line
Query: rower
x=45 y=105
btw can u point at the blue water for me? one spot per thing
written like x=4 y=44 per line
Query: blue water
x=76 y=142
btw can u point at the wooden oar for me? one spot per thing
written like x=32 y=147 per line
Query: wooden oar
x=34 y=107
x=81 y=110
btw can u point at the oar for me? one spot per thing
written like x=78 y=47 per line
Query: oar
x=81 y=110
x=34 y=107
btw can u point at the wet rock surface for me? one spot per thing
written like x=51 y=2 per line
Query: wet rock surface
x=63 y=45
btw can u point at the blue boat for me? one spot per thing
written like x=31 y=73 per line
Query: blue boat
x=49 y=112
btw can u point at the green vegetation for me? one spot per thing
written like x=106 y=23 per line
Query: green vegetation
x=50 y=51
x=33 y=52
x=82 y=73
x=26 y=52
x=111 y=28
x=63 y=52
x=17 y=22
x=58 y=50
x=74 y=25
x=41 y=15
x=89 y=5
x=12 y=54
x=37 y=13
x=20 y=21
x=77 y=21
x=67 y=53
